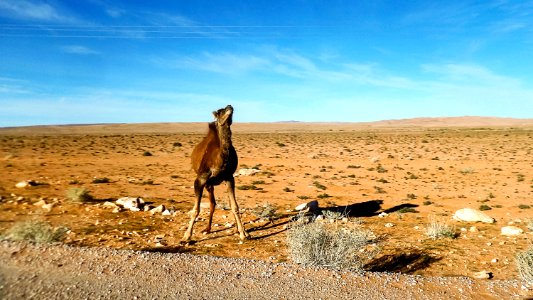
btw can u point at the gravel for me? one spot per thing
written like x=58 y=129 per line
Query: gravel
x=59 y=271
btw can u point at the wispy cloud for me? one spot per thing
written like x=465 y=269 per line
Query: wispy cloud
x=32 y=10
x=78 y=49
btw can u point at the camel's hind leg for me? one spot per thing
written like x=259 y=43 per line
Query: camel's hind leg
x=235 y=209
x=198 y=190
x=212 y=204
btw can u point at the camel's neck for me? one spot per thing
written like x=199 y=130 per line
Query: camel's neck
x=223 y=134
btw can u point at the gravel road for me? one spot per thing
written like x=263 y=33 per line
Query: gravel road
x=30 y=271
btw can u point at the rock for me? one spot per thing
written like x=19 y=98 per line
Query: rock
x=383 y=214
x=157 y=210
x=133 y=204
x=248 y=172
x=483 y=275
x=473 y=229
x=310 y=206
x=472 y=215
x=109 y=204
x=21 y=184
x=116 y=209
x=48 y=207
x=511 y=231
x=388 y=225
x=166 y=212
x=40 y=203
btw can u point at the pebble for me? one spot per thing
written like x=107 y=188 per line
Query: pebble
x=483 y=275
x=389 y=225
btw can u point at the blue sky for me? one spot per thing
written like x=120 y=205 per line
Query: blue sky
x=102 y=61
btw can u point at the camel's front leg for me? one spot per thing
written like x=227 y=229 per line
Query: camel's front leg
x=235 y=209
x=199 y=185
x=212 y=204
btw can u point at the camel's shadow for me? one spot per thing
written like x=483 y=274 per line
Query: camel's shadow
x=407 y=262
x=369 y=208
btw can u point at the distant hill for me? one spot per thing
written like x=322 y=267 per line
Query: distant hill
x=466 y=121
x=288 y=126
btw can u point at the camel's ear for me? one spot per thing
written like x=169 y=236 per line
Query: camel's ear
x=215 y=113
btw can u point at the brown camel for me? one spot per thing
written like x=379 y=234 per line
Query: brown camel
x=215 y=160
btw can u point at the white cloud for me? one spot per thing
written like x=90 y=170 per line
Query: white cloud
x=28 y=10
x=78 y=49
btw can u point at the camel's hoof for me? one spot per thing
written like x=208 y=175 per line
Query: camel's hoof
x=206 y=231
x=246 y=236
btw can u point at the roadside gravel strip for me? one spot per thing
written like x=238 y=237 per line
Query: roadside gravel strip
x=30 y=271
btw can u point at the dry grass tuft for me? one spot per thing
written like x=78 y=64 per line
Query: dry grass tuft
x=524 y=264
x=78 y=194
x=35 y=231
x=437 y=229
x=319 y=244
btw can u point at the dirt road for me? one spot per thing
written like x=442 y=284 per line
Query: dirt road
x=63 y=272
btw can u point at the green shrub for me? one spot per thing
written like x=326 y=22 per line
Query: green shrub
x=35 y=231
x=319 y=244
x=78 y=194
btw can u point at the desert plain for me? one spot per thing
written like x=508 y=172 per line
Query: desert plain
x=414 y=171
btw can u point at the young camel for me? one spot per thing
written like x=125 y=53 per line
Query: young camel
x=215 y=160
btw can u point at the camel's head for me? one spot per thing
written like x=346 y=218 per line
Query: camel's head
x=224 y=116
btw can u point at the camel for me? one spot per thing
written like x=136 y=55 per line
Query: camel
x=215 y=160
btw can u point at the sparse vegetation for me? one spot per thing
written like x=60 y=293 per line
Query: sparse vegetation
x=524 y=264
x=266 y=211
x=147 y=153
x=249 y=187
x=101 y=180
x=484 y=207
x=318 y=244
x=35 y=231
x=524 y=206
x=319 y=186
x=78 y=194
x=437 y=229
x=323 y=196
x=404 y=210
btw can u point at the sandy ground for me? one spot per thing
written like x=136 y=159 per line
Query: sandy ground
x=432 y=171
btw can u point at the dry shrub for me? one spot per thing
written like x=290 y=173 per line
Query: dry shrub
x=328 y=245
x=78 y=194
x=437 y=229
x=35 y=231
x=524 y=263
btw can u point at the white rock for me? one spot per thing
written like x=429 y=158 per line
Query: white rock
x=166 y=212
x=159 y=209
x=133 y=204
x=48 y=207
x=511 y=231
x=494 y=260
x=483 y=275
x=472 y=215
x=40 y=203
x=248 y=172
x=311 y=206
x=389 y=225
x=22 y=184
x=383 y=214
x=109 y=204
x=473 y=229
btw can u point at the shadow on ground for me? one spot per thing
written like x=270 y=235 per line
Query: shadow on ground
x=407 y=262
x=362 y=209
